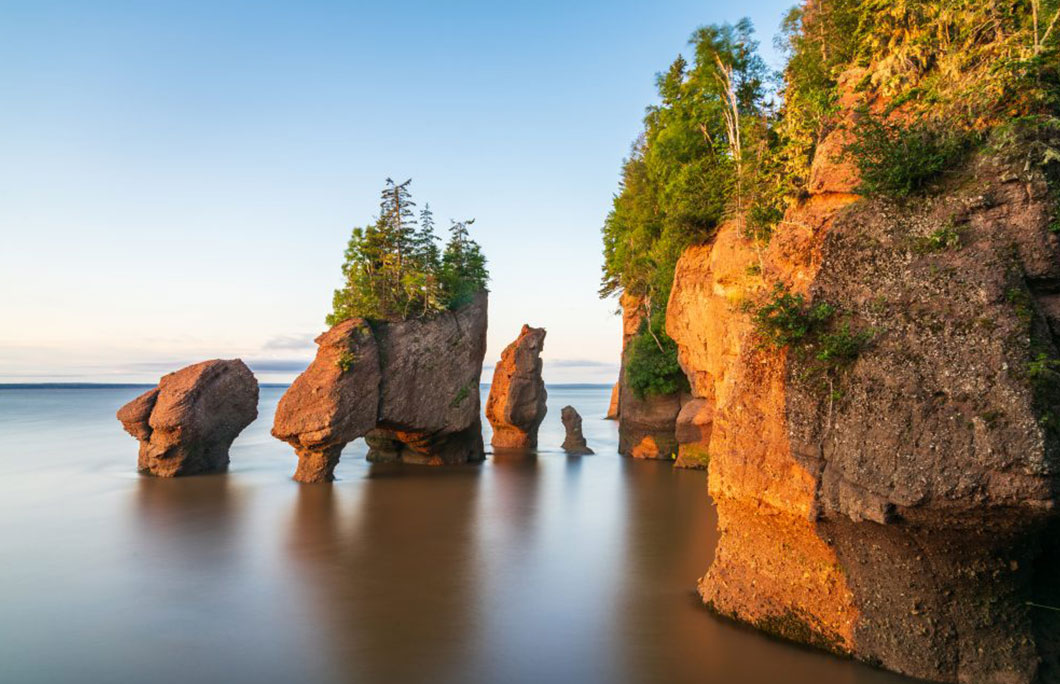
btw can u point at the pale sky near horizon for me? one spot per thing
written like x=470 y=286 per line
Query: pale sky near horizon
x=178 y=179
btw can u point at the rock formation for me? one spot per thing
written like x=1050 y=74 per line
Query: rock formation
x=692 y=432
x=187 y=423
x=410 y=387
x=516 y=404
x=893 y=509
x=612 y=407
x=645 y=424
x=574 y=442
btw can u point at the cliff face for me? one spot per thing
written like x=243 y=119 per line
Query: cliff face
x=646 y=425
x=894 y=509
x=411 y=387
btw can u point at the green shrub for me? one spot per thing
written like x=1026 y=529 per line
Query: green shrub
x=898 y=161
x=785 y=319
x=945 y=238
x=651 y=367
x=842 y=345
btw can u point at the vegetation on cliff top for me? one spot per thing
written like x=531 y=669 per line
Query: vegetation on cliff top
x=931 y=78
x=678 y=183
x=394 y=268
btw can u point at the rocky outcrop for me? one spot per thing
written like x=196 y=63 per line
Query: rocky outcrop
x=516 y=404
x=645 y=424
x=612 y=407
x=574 y=442
x=187 y=423
x=891 y=509
x=694 y=425
x=410 y=387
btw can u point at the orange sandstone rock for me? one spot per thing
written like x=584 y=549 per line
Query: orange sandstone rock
x=516 y=404
x=410 y=387
x=893 y=509
x=188 y=422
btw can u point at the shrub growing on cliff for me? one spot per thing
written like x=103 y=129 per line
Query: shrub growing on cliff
x=394 y=270
x=651 y=364
x=898 y=161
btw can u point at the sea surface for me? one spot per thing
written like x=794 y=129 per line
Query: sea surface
x=545 y=568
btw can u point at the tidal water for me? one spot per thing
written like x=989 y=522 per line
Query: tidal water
x=536 y=569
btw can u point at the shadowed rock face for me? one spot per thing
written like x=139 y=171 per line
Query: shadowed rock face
x=516 y=404
x=574 y=442
x=186 y=424
x=409 y=387
x=894 y=510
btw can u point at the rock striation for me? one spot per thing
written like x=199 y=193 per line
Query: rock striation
x=574 y=442
x=516 y=404
x=893 y=510
x=187 y=423
x=646 y=425
x=410 y=387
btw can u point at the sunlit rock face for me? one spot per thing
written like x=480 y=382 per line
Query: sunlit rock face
x=187 y=423
x=411 y=387
x=895 y=509
x=645 y=424
x=516 y=404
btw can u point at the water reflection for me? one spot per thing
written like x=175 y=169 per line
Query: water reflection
x=391 y=575
x=526 y=568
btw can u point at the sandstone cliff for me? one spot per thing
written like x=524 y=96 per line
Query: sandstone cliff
x=187 y=423
x=412 y=386
x=516 y=403
x=892 y=509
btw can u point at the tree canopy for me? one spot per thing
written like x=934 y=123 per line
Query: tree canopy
x=394 y=268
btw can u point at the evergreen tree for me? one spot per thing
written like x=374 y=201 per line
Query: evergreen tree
x=463 y=265
x=393 y=268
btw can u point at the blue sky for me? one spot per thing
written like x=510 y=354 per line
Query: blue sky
x=178 y=179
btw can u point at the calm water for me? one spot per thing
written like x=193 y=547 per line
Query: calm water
x=549 y=569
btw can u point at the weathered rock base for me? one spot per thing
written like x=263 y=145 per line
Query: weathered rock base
x=387 y=446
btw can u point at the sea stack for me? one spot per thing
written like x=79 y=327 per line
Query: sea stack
x=187 y=423
x=516 y=404
x=574 y=443
x=410 y=386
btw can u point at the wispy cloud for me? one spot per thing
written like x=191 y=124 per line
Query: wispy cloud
x=303 y=341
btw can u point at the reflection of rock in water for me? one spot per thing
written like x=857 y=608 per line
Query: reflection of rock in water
x=391 y=572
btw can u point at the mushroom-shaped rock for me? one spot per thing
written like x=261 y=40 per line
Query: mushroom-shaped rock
x=574 y=443
x=186 y=424
x=516 y=404
x=333 y=402
x=411 y=388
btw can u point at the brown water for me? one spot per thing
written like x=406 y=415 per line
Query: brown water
x=546 y=569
